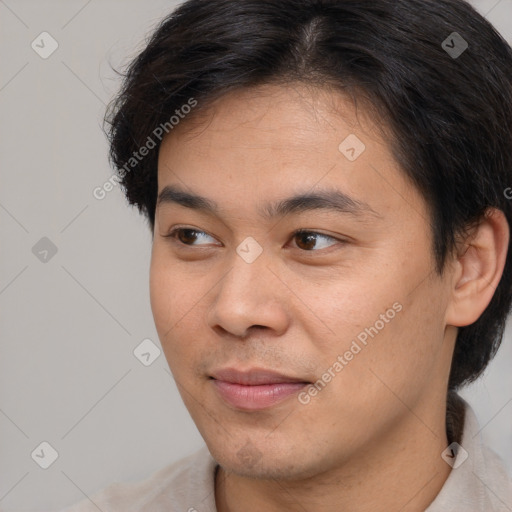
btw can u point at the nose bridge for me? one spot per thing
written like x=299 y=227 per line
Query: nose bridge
x=248 y=279
x=249 y=294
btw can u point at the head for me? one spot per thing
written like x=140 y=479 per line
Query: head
x=326 y=187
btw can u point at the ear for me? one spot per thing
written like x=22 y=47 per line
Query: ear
x=478 y=267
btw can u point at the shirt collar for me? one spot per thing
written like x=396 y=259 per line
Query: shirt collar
x=478 y=481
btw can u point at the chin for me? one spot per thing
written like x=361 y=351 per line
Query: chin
x=252 y=460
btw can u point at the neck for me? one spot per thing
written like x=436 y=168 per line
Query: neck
x=401 y=470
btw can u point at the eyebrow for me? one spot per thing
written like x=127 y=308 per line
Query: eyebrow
x=326 y=199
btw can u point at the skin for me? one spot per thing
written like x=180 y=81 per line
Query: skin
x=371 y=439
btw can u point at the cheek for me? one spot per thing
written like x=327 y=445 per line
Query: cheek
x=397 y=358
x=177 y=309
x=160 y=292
x=170 y=288
x=169 y=296
x=352 y=305
x=384 y=322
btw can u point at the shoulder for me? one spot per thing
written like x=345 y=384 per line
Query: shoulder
x=489 y=471
x=497 y=480
x=479 y=480
x=179 y=486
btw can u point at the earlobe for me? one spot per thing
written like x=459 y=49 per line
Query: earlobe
x=478 y=268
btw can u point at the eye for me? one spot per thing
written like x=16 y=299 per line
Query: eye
x=306 y=240
x=187 y=236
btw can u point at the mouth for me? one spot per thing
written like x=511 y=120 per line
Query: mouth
x=255 y=389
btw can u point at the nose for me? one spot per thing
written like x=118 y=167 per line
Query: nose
x=249 y=296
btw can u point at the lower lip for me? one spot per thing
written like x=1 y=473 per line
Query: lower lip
x=256 y=397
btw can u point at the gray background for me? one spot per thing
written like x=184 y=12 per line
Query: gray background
x=68 y=374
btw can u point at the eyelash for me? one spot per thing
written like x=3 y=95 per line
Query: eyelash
x=296 y=233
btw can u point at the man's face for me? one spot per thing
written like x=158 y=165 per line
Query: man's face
x=353 y=305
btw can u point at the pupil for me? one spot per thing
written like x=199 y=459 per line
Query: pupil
x=309 y=238
x=187 y=239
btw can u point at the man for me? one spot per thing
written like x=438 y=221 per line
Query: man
x=326 y=182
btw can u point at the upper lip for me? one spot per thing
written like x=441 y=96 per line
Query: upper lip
x=253 y=376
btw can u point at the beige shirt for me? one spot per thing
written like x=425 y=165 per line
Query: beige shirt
x=479 y=484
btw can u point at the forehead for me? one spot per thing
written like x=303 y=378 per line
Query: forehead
x=270 y=141
x=302 y=109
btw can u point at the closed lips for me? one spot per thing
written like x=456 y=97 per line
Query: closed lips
x=254 y=377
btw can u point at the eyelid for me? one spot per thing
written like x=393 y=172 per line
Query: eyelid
x=176 y=229
x=313 y=232
x=323 y=235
